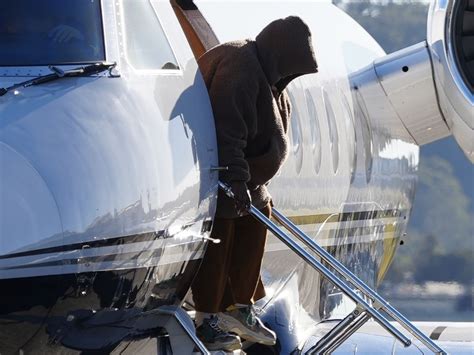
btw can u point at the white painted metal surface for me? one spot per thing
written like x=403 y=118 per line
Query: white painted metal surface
x=406 y=77
x=107 y=157
x=85 y=160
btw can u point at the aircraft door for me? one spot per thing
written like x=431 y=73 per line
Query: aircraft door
x=160 y=66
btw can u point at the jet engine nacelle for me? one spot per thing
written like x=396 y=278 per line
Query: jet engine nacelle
x=430 y=85
x=450 y=38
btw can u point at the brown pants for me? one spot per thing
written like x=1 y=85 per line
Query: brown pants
x=230 y=270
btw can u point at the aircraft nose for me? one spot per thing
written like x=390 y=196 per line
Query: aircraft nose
x=29 y=217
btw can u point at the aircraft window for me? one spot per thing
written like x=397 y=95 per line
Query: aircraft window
x=146 y=44
x=353 y=147
x=47 y=32
x=361 y=111
x=315 y=131
x=333 y=134
x=296 y=133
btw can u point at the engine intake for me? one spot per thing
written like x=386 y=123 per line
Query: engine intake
x=451 y=44
x=463 y=40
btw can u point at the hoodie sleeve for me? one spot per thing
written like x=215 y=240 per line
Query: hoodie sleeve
x=233 y=101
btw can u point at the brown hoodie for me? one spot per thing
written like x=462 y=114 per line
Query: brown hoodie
x=246 y=82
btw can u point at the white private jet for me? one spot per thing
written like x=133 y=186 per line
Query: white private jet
x=109 y=173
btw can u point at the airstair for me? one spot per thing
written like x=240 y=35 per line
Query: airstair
x=369 y=304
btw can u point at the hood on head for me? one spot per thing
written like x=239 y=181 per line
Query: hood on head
x=285 y=51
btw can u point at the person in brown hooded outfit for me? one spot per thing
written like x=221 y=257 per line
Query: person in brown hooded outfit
x=246 y=81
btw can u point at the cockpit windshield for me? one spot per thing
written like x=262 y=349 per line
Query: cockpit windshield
x=50 y=32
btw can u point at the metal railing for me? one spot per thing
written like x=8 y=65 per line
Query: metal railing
x=346 y=282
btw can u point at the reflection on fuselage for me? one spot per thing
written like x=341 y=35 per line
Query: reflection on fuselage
x=127 y=189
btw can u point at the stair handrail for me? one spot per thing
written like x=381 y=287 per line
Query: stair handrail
x=379 y=301
x=316 y=264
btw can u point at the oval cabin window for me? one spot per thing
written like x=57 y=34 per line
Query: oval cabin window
x=333 y=133
x=315 y=130
x=362 y=114
x=352 y=130
x=296 y=133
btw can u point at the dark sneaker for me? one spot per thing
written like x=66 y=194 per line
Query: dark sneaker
x=215 y=338
x=244 y=322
